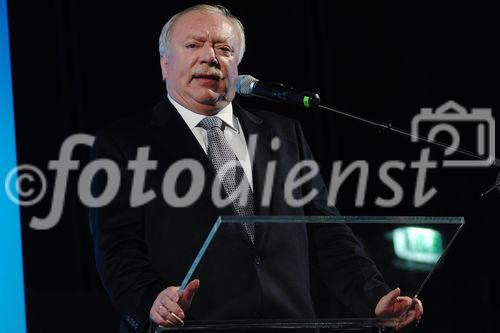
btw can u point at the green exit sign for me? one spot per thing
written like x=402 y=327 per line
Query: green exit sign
x=421 y=245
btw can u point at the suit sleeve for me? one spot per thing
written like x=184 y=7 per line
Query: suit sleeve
x=343 y=266
x=119 y=246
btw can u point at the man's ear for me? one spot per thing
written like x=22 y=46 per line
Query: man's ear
x=163 y=65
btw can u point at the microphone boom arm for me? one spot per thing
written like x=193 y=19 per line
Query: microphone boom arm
x=389 y=128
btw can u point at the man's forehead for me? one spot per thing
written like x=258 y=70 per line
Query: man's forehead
x=200 y=25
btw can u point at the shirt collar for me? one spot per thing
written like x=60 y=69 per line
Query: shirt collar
x=192 y=118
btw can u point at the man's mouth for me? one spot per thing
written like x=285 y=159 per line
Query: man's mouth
x=207 y=77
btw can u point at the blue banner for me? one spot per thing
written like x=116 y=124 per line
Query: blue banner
x=12 y=308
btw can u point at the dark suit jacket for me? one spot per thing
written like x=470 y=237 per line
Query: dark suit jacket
x=142 y=250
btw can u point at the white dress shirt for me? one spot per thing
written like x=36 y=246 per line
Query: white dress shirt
x=232 y=131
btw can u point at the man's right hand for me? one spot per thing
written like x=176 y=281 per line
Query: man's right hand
x=168 y=308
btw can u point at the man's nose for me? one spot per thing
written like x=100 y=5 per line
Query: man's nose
x=208 y=55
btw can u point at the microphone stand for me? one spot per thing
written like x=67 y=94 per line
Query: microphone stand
x=485 y=193
x=389 y=128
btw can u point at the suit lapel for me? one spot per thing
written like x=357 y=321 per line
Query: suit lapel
x=172 y=137
x=258 y=138
x=174 y=141
x=257 y=133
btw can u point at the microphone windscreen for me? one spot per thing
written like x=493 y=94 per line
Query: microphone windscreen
x=245 y=84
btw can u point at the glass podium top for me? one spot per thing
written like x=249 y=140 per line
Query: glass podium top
x=406 y=250
x=344 y=324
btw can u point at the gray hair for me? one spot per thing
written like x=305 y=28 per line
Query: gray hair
x=166 y=32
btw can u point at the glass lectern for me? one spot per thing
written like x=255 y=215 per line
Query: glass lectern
x=406 y=251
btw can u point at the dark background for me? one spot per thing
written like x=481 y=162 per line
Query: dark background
x=79 y=65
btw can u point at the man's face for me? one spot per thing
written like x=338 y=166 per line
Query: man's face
x=201 y=66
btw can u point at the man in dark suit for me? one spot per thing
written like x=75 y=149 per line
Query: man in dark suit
x=145 y=247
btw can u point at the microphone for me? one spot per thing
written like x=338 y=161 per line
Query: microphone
x=247 y=85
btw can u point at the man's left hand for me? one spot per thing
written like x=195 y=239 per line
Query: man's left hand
x=395 y=305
